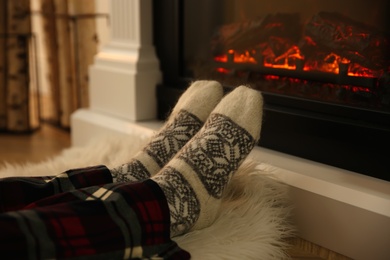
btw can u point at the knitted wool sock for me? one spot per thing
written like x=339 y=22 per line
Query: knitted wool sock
x=194 y=180
x=187 y=117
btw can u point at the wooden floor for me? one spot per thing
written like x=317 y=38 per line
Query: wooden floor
x=49 y=141
x=45 y=142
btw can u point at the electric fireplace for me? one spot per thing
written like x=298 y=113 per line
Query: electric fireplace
x=323 y=68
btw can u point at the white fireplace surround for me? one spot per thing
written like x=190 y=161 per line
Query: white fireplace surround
x=340 y=210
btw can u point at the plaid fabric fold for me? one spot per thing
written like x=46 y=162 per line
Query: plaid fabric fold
x=17 y=192
x=111 y=221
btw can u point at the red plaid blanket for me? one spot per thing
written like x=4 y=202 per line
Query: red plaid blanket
x=82 y=214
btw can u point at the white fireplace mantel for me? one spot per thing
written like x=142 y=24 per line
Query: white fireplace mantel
x=343 y=211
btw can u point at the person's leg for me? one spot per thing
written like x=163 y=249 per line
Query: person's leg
x=114 y=221
x=194 y=180
x=18 y=192
x=137 y=218
x=187 y=117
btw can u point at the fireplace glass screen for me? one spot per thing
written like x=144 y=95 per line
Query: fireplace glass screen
x=323 y=67
x=330 y=51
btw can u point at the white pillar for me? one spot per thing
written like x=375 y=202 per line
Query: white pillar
x=124 y=75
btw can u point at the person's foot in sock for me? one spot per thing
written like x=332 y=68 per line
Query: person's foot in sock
x=187 y=117
x=194 y=180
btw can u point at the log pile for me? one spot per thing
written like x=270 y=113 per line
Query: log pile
x=357 y=42
x=323 y=34
x=279 y=31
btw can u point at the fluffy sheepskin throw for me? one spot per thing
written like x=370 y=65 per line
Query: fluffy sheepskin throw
x=253 y=221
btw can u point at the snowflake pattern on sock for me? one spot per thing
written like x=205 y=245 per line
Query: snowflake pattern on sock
x=183 y=204
x=217 y=151
x=131 y=172
x=175 y=135
x=163 y=146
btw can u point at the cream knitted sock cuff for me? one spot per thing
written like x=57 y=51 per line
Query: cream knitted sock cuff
x=187 y=117
x=194 y=180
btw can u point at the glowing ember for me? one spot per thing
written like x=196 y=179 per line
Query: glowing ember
x=236 y=57
x=286 y=60
x=223 y=70
x=290 y=59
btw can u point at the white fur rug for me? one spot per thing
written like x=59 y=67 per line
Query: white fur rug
x=253 y=219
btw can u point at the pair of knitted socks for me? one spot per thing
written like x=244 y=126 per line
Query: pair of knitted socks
x=194 y=155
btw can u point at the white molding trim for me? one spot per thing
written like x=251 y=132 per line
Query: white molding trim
x=126 y=70
x=341 y=210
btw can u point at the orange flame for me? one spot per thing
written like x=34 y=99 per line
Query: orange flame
x=236 y=57
x=289 y=60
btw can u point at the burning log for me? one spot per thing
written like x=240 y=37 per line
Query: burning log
x=251 y=34
x=333 y=32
